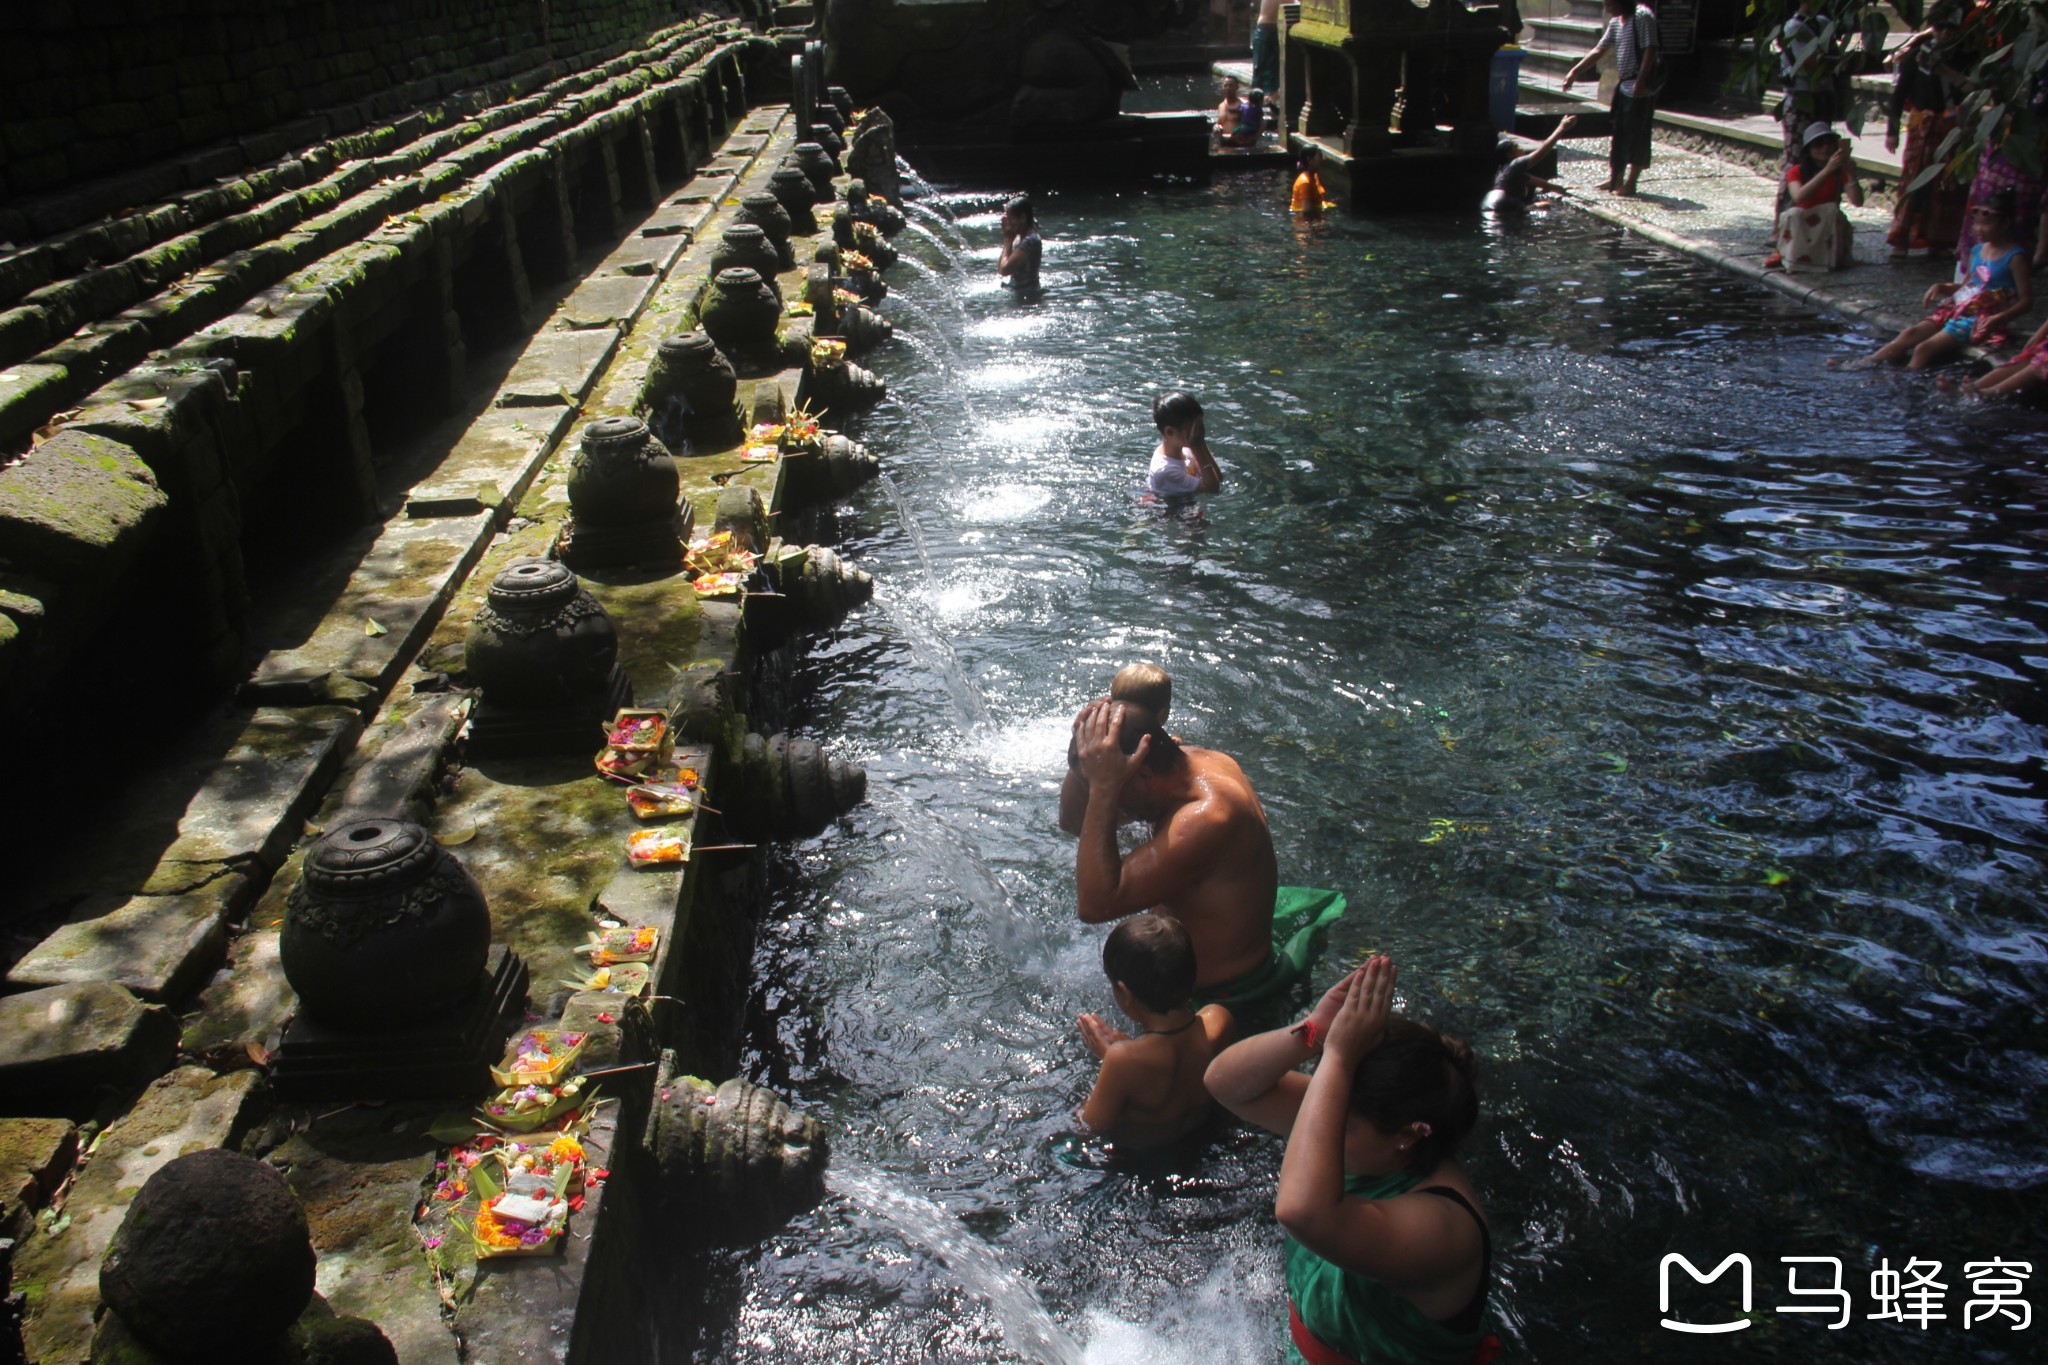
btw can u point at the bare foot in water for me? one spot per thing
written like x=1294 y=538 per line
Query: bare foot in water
x=1861 y=362
x=1957 y=388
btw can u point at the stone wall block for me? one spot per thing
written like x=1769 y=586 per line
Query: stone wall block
x=23 y=332
x=79 y=508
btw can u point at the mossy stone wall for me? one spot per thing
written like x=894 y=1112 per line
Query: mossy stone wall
x=96 y=88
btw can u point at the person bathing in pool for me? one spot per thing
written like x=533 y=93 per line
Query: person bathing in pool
x=1389 y=1254
x=1299 y=914
x=1150 y=1091
x=1209 y=863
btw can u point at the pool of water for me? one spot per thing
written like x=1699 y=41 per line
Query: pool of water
x=1668 y=705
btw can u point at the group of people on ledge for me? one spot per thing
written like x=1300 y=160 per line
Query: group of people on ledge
x=1388 y=1252
x=1996 y=225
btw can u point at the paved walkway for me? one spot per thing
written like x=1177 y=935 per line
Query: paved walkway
x=1721 y=213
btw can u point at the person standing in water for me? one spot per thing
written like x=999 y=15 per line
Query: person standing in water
x=1018 y=263
x=1150 y=1088
x=1183 y=464
x=1209 y=862
x=1514 y=188
x=1389 y=1256
x=1199 y=848
x=1226 y=112
x=1309 y=197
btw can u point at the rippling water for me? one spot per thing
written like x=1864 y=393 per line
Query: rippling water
x=1667 y=704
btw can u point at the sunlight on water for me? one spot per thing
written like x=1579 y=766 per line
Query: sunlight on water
x=1013 y=502
x=1667 y=704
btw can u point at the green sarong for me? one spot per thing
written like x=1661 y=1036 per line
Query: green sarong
x=1298 y=913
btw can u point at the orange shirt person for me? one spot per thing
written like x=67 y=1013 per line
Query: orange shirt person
x=1309 y=196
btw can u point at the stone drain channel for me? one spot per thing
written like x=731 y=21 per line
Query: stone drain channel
x=715 y=316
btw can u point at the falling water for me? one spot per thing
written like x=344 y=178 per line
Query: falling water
x=968 y=702
x=926 y=1227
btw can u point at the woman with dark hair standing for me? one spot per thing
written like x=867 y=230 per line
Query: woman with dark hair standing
x=1389 y=1258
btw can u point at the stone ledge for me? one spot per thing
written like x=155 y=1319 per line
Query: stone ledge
x=67 y=1046
x=159 y=947
x=78 y=509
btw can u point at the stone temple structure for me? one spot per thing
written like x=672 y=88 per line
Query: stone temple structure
x=396 y=549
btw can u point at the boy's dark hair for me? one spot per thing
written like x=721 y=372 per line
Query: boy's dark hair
x=1154 y=958
x=1418 y=1075
x=1021 y=206
x=1175 y=410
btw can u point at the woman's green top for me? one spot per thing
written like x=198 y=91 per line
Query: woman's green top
x=1362 y=1318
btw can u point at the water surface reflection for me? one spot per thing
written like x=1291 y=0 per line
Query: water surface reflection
x=1667 y=704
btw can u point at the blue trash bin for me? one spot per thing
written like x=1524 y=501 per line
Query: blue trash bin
x=1506 y=80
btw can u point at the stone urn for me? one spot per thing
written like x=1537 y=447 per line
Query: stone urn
x=735 y=1156
x=540 y=639
x=838 y=98
x=828 y=116
x=765 y=212
x=385 y=929
x=747 y=244
x=689 y=392
x=213 y=1259
x=740 y=310
x=621 y=476
x=794 y=189
x=814 y=161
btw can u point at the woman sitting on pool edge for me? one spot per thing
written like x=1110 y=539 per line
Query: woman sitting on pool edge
x=1388 y=1258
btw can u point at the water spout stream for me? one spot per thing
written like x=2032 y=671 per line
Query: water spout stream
x=925 y=1226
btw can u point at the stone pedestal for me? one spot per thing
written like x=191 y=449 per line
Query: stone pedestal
x=623 y=497
x=545 y=656
x=445 y=1058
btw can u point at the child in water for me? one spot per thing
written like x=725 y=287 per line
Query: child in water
x=1514 y=187
x=1150 y=1089
x=1998 y=289
x=1018 y=263
x=1182 y=465
x=1309 y=195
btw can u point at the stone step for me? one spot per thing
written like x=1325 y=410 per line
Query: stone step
x=108 y=319
x=35 y=1156
x=212 y=189
x=321 y=300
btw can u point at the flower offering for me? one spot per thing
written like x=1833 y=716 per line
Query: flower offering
x=538 y=1057
x=649 y=847
x=628 y=943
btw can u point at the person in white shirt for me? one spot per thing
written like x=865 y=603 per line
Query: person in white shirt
x=1182 y=464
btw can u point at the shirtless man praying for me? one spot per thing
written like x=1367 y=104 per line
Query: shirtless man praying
x=1209 y=862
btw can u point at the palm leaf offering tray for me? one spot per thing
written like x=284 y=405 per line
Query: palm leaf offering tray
x=625 y=978
x=635 y=742
x=649 y=847
x=657 y=801
x=525 y=1194
x=539 y=1056
x=627 y=943
x=527 y=1108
